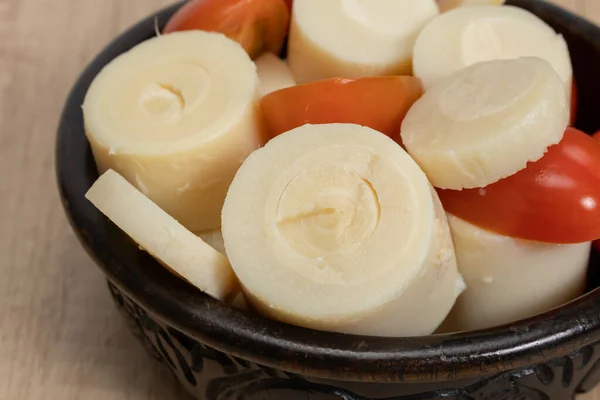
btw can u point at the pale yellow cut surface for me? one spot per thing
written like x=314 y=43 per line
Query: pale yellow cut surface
x=486 y=122
x=335 y=227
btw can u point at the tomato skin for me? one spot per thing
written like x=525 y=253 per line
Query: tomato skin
x=596 y=243
x=258 y=25
x=380 y=103
x=555 y=199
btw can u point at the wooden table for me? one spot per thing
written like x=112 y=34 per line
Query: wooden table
x=60 y=336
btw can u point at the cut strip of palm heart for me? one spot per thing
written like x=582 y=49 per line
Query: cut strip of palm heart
x=163 y=237
x=335 y=227
x=486 y=122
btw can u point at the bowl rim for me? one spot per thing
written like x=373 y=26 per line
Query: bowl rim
x=444 y=357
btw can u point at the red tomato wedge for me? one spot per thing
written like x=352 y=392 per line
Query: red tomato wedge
x=380 y=103
x=555 y=199
x=258 y=25
x=596 y=243
x=290 y=4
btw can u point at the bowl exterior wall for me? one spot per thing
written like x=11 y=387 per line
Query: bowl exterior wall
x=209 y=374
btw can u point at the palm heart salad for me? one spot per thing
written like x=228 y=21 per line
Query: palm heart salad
x=410 y=167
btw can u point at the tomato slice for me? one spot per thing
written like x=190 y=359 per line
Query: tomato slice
x=596 y=243
x=290 y=4
x=380 y=103
x=258 y=25
x=555 y=199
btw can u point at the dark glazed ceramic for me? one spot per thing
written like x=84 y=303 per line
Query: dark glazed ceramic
x=220 y=353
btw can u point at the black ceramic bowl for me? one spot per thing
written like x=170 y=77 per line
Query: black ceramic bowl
x=220 y=353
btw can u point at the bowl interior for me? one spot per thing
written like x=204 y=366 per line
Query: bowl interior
x=323 y=354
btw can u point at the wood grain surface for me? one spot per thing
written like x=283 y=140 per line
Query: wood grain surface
x=60 y=336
